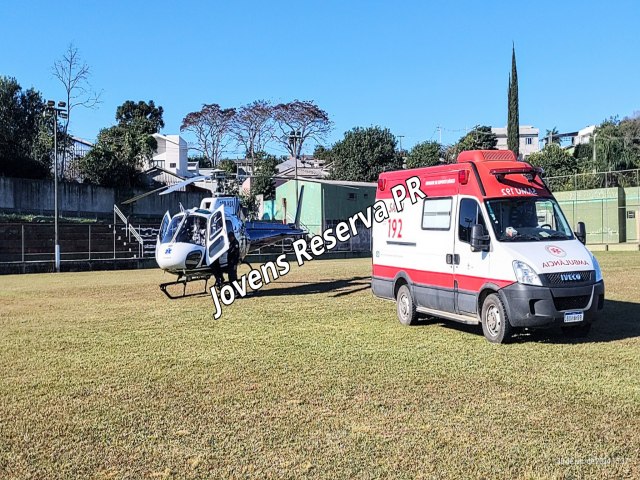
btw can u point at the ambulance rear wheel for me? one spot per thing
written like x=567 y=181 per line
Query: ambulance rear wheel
x=406 y=307
x=495 y=322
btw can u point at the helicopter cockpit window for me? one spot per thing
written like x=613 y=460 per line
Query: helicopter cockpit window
x=193 y=230
x=171 y=229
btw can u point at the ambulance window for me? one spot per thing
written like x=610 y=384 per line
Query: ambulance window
x=470 y=214
x=436 y=214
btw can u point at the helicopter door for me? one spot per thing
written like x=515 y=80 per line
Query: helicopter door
x=217 y=241
x=163 y=226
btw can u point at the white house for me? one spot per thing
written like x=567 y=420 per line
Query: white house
x=171 y=156
x=528 y=139
x=584 y=135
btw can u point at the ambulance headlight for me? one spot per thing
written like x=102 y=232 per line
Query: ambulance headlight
x=596 y=267
x=525 y=274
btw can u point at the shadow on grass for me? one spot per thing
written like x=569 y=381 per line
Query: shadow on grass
x=340 y=287
x=618 y=321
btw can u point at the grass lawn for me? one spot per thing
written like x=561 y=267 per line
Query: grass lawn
x=102 y=377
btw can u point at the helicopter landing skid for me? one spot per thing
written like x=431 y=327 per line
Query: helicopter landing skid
x=183 y=280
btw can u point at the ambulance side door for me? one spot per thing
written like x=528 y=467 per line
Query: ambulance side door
x=435 y=287
x=471 y=268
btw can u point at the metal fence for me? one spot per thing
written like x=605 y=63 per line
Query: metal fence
x=587 y=181
x=22 y=243
x=34 y=242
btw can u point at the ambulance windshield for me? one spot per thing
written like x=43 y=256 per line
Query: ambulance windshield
x=527 y=219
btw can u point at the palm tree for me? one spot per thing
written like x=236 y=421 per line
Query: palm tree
x=553 y=134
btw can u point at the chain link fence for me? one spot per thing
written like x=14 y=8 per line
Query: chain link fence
x=589 y=181
x=608 y=203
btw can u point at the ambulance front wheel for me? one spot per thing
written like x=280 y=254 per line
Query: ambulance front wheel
x=406 y=307
x=495 y=321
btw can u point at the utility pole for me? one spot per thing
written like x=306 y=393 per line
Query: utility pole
x=400 y=137
x=439 y=134
x=60 y=110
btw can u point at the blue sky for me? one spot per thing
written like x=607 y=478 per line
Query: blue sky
x=409 y=66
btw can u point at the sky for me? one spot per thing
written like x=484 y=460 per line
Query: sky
x=410 y=66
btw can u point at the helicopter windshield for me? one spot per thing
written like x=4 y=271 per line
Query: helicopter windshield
x=193 y=230
x=172 y=228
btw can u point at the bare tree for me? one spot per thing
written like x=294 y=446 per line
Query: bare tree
x=74 y=74
x=212 y=127
x=298 y=121
x=253 y=127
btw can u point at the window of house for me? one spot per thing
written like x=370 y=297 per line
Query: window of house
x=172 y=165
x=351 y=196
x=436 y=214
x=529 y=140
x=470 y=215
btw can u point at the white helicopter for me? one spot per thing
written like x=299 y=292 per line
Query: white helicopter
x=192 y=240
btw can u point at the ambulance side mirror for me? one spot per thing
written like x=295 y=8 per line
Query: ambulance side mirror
x=479 y=240
x=581 y=233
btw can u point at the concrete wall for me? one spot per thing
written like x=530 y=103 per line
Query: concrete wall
x=602 y=211
x=25 y=196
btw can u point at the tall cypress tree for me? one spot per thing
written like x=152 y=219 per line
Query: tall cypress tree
x=513 y=122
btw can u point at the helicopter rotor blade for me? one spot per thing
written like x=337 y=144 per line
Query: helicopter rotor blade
x=179 y=185
x=146 y=194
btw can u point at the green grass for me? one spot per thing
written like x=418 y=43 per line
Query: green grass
x=102 y=377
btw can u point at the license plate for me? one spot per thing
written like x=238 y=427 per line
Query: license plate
x=571 y=317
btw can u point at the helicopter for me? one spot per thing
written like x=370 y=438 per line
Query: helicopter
x=189 y=242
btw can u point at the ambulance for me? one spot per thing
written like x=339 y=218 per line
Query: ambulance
x=485 y=243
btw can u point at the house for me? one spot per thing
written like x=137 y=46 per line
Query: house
x=571 y=139
x=308 y=167
x=583 y=136
x=171 y=156
x=528 y=139
x=324 y=204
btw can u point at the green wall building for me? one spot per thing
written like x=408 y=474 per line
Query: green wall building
x=324 y=204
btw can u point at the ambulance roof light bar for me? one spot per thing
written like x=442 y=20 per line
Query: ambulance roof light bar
x=529 y=172
x=486 y=156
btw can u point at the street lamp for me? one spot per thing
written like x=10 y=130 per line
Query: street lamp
x=55 y=112
x=295 y=140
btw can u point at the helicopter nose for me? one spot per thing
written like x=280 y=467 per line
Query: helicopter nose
x=167 y=257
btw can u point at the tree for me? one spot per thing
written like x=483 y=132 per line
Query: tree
x=26 y=136
x=228 y=166
x=74 y=74
x=617 y=144
x=480 y=138
x=364 y=153
x=302 y=120
x=263 y=182
x=425 y=154
x=145 y=113
x=556 y=162
x=122 y=149
x=212 y=126
x=513 y=122
x=253 y=127
x=552 y=135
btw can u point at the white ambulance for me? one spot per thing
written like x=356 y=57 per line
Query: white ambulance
x=487 y=244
